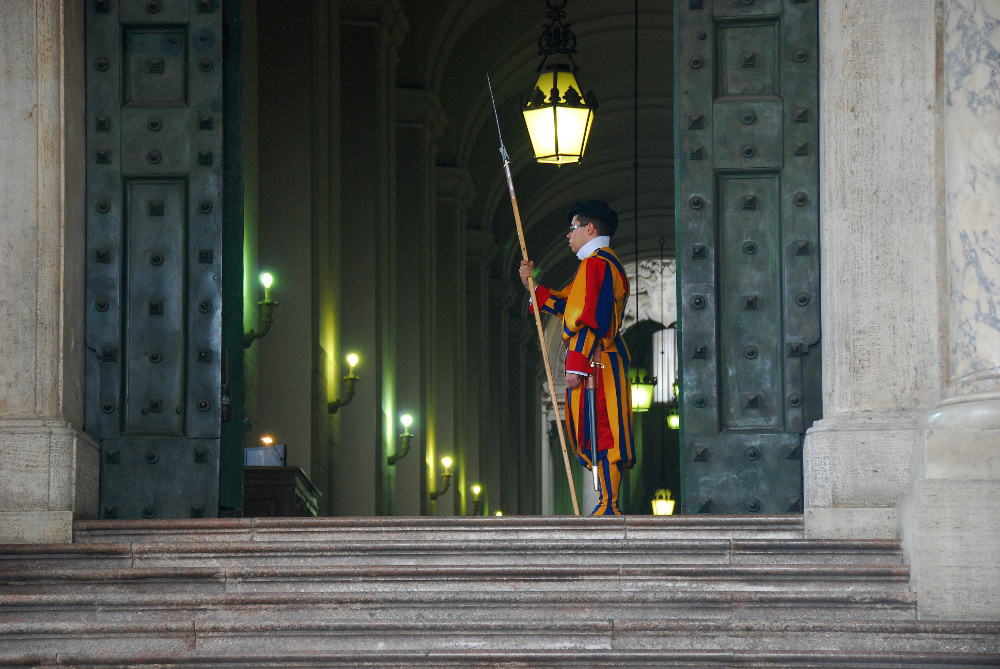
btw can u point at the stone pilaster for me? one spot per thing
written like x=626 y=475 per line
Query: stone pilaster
x=951 y=517
x=287 y=218
x=325 y=238
x=49 y=467
x=370 y=34
x=499 y=430
x=879 y=235
x=419 y=124
x=454 y=192
x=479 y=253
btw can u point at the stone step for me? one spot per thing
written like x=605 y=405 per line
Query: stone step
x=712 y=578
x=440 y=529
x=554 y=660
x=534 y=606
x=419 y=643
x=567 y=552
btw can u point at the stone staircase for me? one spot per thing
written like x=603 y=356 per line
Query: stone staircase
x=698 y=591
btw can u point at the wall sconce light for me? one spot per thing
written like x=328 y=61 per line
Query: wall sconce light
x=642 y=393
x=663 y=505
x=446 y=463
x=407 y=420
x=477 y=504
x=560 y=125
x=265 y=312
x=352 y=361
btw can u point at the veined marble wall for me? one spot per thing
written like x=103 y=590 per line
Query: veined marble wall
x=972 y=192
x=950 y=518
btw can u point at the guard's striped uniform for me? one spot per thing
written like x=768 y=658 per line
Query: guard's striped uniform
x=591 y=308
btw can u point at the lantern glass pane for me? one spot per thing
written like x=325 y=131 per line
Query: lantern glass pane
x=663 y=507
x=586 y=132
x=545 y=84
x=572 y=125
x=541 y=129
x=565 y=79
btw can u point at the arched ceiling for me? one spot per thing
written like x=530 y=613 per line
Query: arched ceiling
x=450 y=47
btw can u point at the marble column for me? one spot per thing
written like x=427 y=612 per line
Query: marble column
x=480 y=250
x=49 y=467
x=951 y=517
x=370 y=34
x=454 y=192
x=419 y=124
x=879 y=194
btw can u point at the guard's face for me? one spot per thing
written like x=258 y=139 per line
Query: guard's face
x=579 y=234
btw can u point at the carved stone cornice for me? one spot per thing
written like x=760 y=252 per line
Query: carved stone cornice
x=422 y=108
x=454 y=183
x=500 y=295
x=386 y=14
x=479 y=247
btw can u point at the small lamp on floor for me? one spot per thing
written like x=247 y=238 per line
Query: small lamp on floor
x=663 y=505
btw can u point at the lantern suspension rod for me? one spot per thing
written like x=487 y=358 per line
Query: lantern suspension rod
x=635 y=154
x=536 y=310
x=556 y=37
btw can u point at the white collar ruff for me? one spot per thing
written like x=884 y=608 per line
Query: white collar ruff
x=596 y=243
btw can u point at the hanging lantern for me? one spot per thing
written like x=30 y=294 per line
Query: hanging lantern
x=673 y=415
x=559 y=124
x=642 y=393
x=558 y=115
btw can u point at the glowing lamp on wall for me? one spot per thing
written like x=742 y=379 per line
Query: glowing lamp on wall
x=406 y=420
x=446 y=462
x=477 y=504
x=265 y=312
x=352 y=380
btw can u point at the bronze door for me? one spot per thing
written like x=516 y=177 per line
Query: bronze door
x=154 y=254
x=746 y=133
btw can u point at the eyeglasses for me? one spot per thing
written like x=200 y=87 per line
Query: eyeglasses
x=579 y=225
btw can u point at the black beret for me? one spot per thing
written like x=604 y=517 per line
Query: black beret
x=595 y=209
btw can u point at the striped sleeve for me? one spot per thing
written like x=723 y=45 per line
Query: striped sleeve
x=553 y=302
